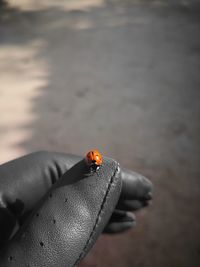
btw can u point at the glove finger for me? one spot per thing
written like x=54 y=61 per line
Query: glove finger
x=120 y=221
x=135 y=186
x=24 y=181
x=68 y=220
x=132 y=205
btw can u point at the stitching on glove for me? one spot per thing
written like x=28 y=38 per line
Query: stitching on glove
x=98 y=216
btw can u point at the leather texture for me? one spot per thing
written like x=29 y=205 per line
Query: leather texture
x=60 y=208
x=81 y=202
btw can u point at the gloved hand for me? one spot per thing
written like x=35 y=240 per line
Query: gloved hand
x=52 y=210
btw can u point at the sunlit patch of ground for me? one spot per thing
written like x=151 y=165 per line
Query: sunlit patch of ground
x=65 y=5
x=22 y=72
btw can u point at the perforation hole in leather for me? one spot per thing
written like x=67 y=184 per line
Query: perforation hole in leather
x=37 y=214
x=54 y=221
x=41 y=244
x=66 y=199
x=10 y=258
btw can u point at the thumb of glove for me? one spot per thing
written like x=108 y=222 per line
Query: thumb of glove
x=68 y=219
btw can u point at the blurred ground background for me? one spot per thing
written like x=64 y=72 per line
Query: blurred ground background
x=121 y=76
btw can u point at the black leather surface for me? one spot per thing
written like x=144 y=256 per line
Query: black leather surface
x=68 y=219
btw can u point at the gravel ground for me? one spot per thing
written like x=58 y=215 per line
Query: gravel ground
x=121 y=76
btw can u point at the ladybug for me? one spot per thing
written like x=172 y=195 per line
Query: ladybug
x=93 y=160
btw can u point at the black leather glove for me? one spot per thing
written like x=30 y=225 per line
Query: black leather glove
x=52 y=210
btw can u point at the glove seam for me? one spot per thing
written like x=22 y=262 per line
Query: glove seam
x=98 y=216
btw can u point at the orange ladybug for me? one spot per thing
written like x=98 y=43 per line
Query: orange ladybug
x=93 y=159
